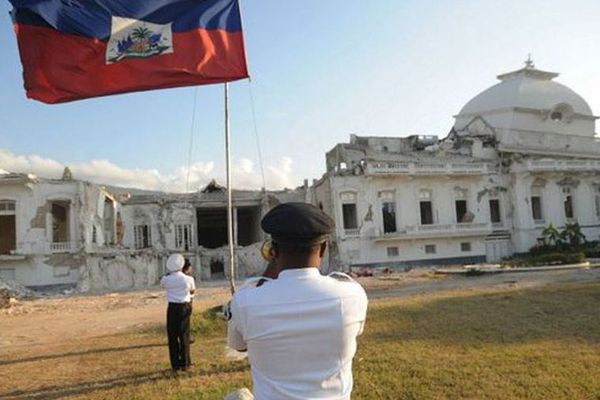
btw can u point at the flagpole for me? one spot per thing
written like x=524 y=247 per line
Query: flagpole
x=229 y=198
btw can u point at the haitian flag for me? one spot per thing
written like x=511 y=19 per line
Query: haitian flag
x=76 y=49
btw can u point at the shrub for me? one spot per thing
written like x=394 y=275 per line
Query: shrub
x=592 y=252
x=546 y=259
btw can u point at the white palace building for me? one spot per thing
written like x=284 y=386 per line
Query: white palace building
x=522 y=154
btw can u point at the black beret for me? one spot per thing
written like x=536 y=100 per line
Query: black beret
x=297 y=223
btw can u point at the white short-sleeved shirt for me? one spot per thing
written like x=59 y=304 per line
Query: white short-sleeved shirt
x=178 y=286
x=300 y=332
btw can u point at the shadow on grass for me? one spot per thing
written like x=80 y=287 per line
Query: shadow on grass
x=81 y=353
x=204 y=323
x=523 y=316
x=57 y=392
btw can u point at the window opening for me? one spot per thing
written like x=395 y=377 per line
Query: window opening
x=392 y=251
x=425 y=207
x=183 y=237
x=8 y=231
x=430 y=249
x=142 y=236
x=495 y=215
x=388 y=212
x=60 y=221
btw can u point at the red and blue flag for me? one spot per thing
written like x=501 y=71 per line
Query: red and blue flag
x=76 y=49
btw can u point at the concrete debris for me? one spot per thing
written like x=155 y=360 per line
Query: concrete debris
x=119 y=272
x=4 y=298
x=17 y=290
x=250 y=260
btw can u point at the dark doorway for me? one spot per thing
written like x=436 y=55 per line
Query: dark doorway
x=388 y=210
x=8 y=237
x=461 y=210
x=217 y=269
x=60 y=221
x=349 y=214
x=426 y=212
x=248 y=225
x=212 y=227
x=495 y=215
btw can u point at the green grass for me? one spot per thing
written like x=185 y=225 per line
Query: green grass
x=534 y=344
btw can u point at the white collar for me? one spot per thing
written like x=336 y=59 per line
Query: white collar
x=296 y=273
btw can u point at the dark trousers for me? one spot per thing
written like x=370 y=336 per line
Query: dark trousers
x=178 y=330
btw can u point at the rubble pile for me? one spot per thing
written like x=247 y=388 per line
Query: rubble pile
x=119 y=272
x=11 y=291
x=249 y=260
x=17 y=290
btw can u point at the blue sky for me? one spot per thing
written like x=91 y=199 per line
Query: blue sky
x=322 y=69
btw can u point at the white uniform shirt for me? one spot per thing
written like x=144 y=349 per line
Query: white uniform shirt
x=178 y=286
x=300 y=332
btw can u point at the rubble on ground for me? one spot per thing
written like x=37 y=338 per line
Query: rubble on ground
x=11 y=292
x=16 y=290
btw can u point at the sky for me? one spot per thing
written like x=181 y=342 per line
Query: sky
x=321 y=70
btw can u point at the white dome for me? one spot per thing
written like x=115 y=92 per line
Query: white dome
x=527 y=88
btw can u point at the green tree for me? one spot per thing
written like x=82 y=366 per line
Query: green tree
x=552 y=236
x=572 y=235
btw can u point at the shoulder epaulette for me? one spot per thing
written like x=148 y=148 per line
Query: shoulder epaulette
x=340 y=276
x=253 y=282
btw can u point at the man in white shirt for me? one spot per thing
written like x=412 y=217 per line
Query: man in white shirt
x=300 y=329
x=180 y=288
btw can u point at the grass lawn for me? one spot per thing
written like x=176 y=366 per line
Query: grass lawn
x=533 y=344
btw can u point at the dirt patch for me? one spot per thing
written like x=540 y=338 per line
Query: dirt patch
x=89 y=316
x=44 y=321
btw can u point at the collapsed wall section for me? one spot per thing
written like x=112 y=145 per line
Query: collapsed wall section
x=119 y=272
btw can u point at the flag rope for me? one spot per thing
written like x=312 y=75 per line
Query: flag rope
x=256 y=135
x=191 y=143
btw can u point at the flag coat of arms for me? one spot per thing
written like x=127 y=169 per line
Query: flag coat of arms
x=76 y=49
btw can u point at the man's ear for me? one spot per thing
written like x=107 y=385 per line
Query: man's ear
x=274 y=251
x=322 y=249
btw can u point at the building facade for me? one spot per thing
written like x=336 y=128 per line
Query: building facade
x=48 y=227
x=65 y=232
x=521 y=155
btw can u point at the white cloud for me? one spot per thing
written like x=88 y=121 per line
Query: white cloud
x=245 y=174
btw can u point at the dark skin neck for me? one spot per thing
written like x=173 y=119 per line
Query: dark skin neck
x=294 y=260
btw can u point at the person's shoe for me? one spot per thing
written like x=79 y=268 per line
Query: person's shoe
x=192 y=340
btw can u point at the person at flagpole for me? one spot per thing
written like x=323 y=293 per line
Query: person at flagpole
x=300 y=330
x=180 y=289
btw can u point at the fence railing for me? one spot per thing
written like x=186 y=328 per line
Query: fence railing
x=412 y=168
x=61 y=247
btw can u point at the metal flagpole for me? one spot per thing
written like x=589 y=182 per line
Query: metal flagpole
x=229 y=199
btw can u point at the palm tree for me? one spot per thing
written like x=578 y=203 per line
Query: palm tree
x=552 y=236
x=573 y=235
x=140 y=33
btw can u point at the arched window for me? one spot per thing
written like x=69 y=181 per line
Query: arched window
x=561 y=112
x=142 y=235
x=184 y=231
